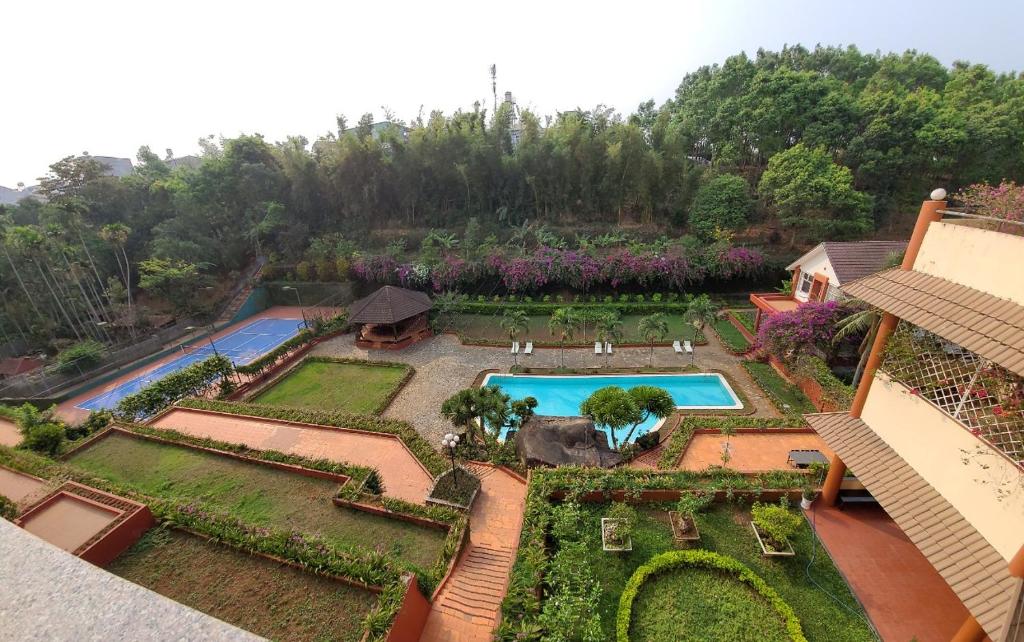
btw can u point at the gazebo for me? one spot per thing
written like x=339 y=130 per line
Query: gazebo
x=391 y=318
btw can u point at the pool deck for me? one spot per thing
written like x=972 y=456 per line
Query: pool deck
x=444 y=366
x=69 y=411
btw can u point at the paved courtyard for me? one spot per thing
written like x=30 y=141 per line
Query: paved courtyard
x=444 y=366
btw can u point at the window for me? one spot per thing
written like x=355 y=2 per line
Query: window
x=806 y=280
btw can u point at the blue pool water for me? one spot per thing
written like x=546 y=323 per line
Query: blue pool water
x=241 y=346
x=561 y=396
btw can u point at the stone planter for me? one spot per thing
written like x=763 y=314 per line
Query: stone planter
x=608 y=540
x=438 y=501
x=678 y=534
x=770 y=552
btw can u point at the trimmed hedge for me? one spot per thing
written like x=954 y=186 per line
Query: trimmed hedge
x=680 y=437
x=8 y=509
x=778 y=390
x=423 y=451
x=190 y=380
x=703 y=559
x=546 y=308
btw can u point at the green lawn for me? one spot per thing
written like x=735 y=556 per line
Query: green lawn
x=256 y=494
x=730 y=336
x=747 y=318
x=487 y=327
x=693 y=605
x=726 y=529
x=348 y=387
x=788 y=398
x=269 y=599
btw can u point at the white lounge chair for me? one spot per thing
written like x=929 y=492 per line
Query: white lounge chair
x=608 y=348
x=515 y=348
x=678 y=348
x=688 y=347
x=597 y=347
x=529 y=348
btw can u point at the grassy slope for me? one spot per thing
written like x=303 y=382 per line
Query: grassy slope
x=487 y=327
x=692 y=605
x=726 y=529
x=730 y=336
x=348 y=387
x=746 y=317
x=780 y=391
x=255 y=494
x=260 y=596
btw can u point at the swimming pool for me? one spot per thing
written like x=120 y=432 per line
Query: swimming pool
x=241 y=346
x=561 y=396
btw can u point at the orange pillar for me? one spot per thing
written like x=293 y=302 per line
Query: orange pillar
x=885 y=329
x=928 y=214
x=1017 y=564
x=833 y=481
x=970 y=631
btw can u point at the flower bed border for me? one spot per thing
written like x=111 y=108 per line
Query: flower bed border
x=702 y=558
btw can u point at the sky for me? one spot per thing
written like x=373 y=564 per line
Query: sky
x=107 y=77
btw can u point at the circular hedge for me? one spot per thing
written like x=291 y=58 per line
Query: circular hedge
x=702 y=559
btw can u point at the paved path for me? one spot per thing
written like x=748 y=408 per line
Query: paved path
x=403 y=475
x=9 y=433
x=444 y=366
x=468 y=606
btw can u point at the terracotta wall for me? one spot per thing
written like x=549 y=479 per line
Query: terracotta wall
x=809 y=387
x=412 y=616
x=119 y=538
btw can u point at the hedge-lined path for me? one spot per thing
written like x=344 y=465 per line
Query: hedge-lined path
x=468 y=605
x=403 y=475
x=444 y=366
x=9 y=433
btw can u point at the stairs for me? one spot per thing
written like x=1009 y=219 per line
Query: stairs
x=475 y=593
x=235 y=305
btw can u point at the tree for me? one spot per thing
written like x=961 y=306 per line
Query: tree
x=515 y=322
x=613 y=408
x=653 y=327
x=609 y=328
x=474 y=409
x=652 y=402
x=700 y=312
x=563 y=322
x=117 y=235
x=175 y=281
x=814 y=196
x=722 y=203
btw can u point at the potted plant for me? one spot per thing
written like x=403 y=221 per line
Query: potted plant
x=773 y=525
x=807 y=494
x=809 y=491
x=617 y=528
x=684 y=517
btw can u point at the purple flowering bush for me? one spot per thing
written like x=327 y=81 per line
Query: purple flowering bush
x=808 y=329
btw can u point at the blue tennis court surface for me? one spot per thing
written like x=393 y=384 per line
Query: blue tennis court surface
x=241 y=346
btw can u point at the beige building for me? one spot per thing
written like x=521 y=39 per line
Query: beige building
x=936 y=430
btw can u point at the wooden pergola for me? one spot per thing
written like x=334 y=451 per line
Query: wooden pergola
x=391 y=318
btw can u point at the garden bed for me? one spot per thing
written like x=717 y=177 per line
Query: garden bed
x=253 y=593
x=786 y=397
x=255 y=494
x=455 y=490
x=348 y=386
x=731 y=338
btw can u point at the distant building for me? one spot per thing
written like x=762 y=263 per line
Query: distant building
x=115 y=166
x=192 y=162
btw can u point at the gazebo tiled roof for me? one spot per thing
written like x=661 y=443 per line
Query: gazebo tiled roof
x=389 y=305
x=975 y=570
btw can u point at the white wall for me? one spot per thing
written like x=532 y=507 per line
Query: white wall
x=936 y=446
x=982 y=259
x=815 y=262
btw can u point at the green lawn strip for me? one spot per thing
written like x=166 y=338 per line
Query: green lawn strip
x=486 y=328
x=747 y=318
x=732 y=338
x=348 y=387
x=726 y=529
x=692 y=605
x=255 y=494
x=419 y=446
x=258 y=595
x=786 y=397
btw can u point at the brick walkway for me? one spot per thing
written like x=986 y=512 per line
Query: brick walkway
x=468 y=605
x=403 y=475
x=903 y=594
x=9 y=433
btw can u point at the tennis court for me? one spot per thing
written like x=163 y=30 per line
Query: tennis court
x=241 y=346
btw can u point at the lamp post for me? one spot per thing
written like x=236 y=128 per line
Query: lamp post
x=299 y=299
x=450 y=441
x=209 y=336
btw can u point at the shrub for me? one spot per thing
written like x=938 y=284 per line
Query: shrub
x=608 y=299
x=702 y=559
x=96 y=421
x=722 y=203
x=777 y=522
x=191 y=380
x=693 y=503
x=80 y=357
x=656 y=297
x=627 y=514
x=8 y=509
x=44 y=438
x=547 y=298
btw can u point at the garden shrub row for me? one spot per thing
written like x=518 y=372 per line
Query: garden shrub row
x=545 y=309
x=747 y=318
x=833 y=389
x=321 y=327
x=702 y=559
x=731 y=338
x=787 y=398
x=676 y=443
x=191 y=380
x=423 y=451
x=522 y=607
x=386 y=401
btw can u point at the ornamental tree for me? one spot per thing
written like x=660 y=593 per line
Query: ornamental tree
x=613 y=408
x=722 y=203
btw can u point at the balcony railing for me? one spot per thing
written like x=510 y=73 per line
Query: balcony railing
x=986 y=398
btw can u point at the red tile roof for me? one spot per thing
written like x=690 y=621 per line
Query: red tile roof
x=853 y=260
x=18 y=365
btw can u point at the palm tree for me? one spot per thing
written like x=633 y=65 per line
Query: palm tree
x=866 y=321
x=700 y=311
x=609 y=327
x=653 y=327
x=515 y=322
x=563 y=323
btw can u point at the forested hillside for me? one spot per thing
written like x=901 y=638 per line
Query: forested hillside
x=811 y=144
